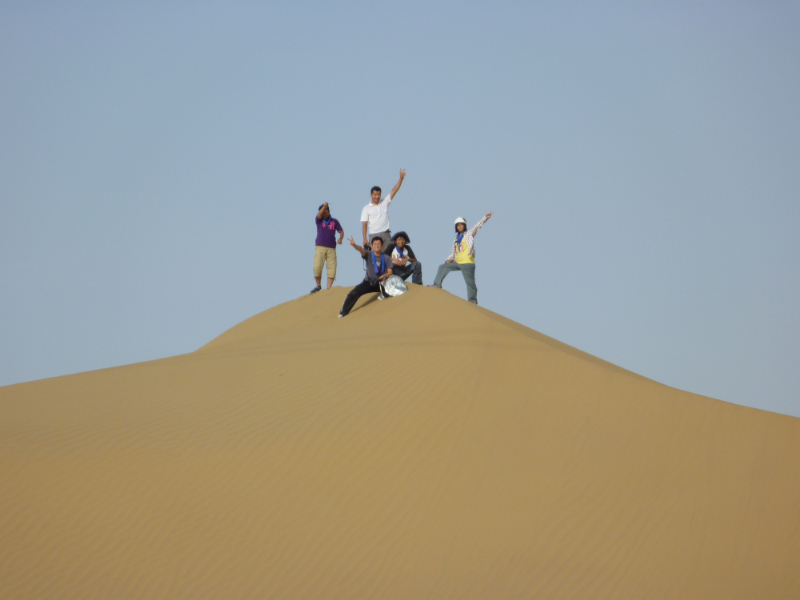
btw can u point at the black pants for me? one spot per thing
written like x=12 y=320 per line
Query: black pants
x=365 y=287
x=414 y=270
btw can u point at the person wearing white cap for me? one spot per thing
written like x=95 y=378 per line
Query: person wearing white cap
x=462 y=257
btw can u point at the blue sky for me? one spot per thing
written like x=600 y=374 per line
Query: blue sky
x=162 y=164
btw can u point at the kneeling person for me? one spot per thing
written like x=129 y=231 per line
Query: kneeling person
x=404 y=263
x=379 y=267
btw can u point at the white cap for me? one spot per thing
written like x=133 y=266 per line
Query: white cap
x=461 y=220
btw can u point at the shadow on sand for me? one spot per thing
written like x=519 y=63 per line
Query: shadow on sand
x=367 y=303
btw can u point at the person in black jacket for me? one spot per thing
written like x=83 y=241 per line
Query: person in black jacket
x=404 y=262
x=379 y=267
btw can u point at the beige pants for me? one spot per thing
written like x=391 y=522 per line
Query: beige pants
x=322 y=254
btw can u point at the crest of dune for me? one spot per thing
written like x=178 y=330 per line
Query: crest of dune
x=421 y=447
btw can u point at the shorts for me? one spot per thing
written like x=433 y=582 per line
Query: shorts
x=322 y=254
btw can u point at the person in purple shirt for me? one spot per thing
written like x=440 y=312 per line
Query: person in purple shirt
x=325 y=251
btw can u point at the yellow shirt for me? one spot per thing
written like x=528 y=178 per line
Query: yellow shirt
x=463 y=257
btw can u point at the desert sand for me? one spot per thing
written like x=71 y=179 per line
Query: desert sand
x=421 y=447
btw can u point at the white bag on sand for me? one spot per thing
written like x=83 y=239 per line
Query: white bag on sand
x=394 y=286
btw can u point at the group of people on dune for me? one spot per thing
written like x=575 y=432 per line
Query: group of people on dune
x=385 y=254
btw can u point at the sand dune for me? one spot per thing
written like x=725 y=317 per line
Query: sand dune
x=422 y=447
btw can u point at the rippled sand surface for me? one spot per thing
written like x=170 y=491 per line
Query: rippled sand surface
x=421 y=447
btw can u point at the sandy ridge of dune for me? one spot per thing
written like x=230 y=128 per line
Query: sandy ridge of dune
x=283 y=460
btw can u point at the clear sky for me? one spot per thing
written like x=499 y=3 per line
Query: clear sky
x=161 y=165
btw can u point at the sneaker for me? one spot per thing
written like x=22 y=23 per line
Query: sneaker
x=340 y=315
x=315 y=290
x=381 y=297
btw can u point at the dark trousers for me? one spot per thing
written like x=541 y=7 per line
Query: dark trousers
x=365 y=287
x=412 y=269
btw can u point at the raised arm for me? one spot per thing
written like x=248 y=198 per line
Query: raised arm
x=480 y=224
x=322 y=210
x=361 y=250
x=396 y=188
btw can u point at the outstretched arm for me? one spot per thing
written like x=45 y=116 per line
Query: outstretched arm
x=396 y=188
x=481 y=222
x=322 y=210
x=361 y=251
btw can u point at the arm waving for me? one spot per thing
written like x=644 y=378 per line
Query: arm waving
x=396 y=188
x=361 y=251
x=480 y=224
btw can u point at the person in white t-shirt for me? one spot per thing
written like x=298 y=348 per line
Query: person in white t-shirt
x=375 y=215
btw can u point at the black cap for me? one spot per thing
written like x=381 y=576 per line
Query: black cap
x=401 y=234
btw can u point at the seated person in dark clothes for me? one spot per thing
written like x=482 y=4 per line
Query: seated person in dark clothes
x=404 y=263
x=379 y=267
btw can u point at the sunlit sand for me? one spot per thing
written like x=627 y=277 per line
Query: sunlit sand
x=421 y=447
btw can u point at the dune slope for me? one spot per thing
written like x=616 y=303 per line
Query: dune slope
x=422 y=447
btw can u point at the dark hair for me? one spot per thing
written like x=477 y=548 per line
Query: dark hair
x=465 y=227
x=376 y=238
x=401 y=234
x=375 y=188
